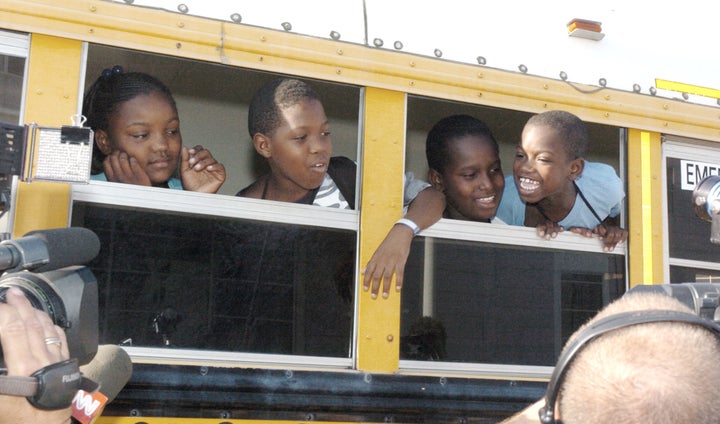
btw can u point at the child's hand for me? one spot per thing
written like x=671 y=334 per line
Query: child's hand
x=200 y=171
x=611 y=235
x=121 y=168
x=389 y=258
x=549 y=230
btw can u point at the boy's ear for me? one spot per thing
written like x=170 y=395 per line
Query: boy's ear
x=262 y=145
x=576 y=168
x=103 y=142
x=436 y=180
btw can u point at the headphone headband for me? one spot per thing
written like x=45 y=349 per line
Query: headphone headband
x=606 y=325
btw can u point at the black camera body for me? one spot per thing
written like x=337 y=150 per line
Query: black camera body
x=70 y=297
x=47 y=267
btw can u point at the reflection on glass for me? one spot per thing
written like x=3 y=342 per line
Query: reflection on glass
x=200 y=282
x=688 y=235
x=11 y=83
x=679 y=274
x=482 y=303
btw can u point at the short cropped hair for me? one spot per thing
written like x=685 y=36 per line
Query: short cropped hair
x=450 y=128
x=570 y=129
x=665 y=372
x=264 y=115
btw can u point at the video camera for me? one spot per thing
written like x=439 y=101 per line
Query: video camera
x=46 y=266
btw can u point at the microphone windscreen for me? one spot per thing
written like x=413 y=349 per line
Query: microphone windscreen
x=111 y=368
x=67 y=247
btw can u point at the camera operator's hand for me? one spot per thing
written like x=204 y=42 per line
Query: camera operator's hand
x=29 y=343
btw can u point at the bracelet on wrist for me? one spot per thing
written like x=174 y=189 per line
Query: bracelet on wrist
x=410 y=224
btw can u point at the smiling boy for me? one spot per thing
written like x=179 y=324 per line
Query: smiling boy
x=554 y=188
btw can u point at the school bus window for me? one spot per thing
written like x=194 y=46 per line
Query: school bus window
x=12 y=69
x=219 y=279
x=478 y=292
x=691 y=254
x=212 y=102
x=203 y=282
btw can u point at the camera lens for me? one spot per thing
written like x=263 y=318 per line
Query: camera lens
x=39 y=292
x=706 y=197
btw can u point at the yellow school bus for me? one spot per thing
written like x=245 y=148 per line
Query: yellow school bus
x=237 y=310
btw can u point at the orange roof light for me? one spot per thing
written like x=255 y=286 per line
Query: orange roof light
x=584 y=28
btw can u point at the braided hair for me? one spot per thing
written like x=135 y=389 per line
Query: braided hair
x=105 y=96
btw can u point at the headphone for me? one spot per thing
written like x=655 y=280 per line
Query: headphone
x=606 y=325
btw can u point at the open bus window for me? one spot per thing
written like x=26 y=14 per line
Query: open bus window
x=212 y=283
x=492 y=293
x=213 y=99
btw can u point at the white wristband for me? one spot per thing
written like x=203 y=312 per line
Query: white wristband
x=410 y=224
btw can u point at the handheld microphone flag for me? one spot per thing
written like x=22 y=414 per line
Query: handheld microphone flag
x=111 y=368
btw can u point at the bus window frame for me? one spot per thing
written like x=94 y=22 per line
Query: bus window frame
x=682 y=148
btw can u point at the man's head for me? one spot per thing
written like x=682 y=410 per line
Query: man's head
x=660 y=372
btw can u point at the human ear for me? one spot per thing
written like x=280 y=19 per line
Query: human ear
x=262 y=145
x=436 y=180
x=103 y=142
x=576 y=168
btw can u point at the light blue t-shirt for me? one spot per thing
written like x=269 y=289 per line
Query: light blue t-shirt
x=599 y=183
x=173 y=183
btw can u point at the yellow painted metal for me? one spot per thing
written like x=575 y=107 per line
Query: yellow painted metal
x=382 y=163
x=687 y=88
x=278 y=51
x=645 y=208
x=52 y=98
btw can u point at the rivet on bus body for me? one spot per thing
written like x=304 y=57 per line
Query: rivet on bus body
x=665 y=124
x=261 y=58
x=181 y=24
x=607 y=97
x=390 y=337
x=480 y=75
x=91 y=31
x=412 y=64
x=178 y=45
x=39 y=92
x=607 y=115
x=412 y=83
x=479 y=94
x=263 y=39
x=339 y=71
x=93 y=9
x=545 y=87
x=545 y=105
x=339 y=52
x=666 y=107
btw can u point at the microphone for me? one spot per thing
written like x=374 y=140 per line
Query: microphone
x=111 y=368
x=65 y=247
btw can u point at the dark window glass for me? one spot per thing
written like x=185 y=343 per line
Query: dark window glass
x=679 y=274
x=688 y=235
x=486 y=303
x=200 y=282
